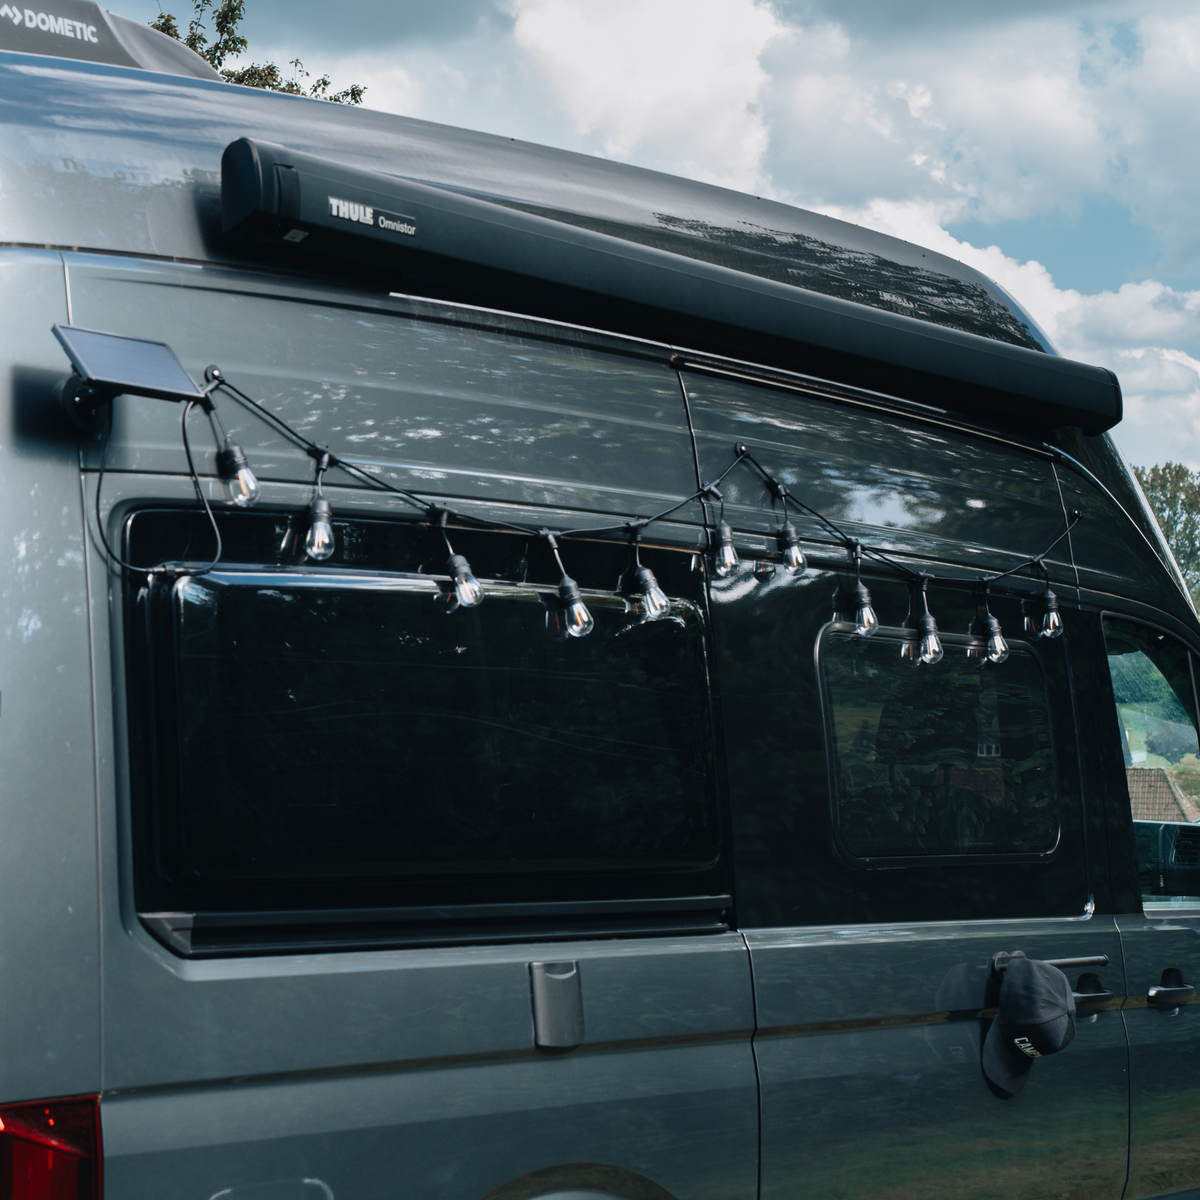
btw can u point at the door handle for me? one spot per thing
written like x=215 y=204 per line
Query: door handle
x=1170 y=995
x=1101 y=996
x=1090 y=996
x=1170 y=992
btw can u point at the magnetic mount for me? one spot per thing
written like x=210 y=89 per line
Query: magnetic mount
x=86 y=405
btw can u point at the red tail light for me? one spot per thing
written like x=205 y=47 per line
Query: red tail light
x=50 y=1150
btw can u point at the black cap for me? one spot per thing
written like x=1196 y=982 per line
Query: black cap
x=1036 y=1017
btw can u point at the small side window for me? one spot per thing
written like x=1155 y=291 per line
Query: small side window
x=1156 y=709
x=928 y=762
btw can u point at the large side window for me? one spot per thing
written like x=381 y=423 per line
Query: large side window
x=927 y=762
x=1153 y=684
x=327 y=739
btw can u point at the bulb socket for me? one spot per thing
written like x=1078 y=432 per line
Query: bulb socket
x=319 y=510
x=787 y=536
x=724 y=534
x=568 y=591
x=457 y=565
x=859 y=596
x=1049 y=601
x=637 y=581
x=926 y=625
x=231 y=458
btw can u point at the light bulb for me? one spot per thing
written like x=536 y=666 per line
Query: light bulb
x=789 y=543
x=997 y=647
x=239 y=483
x=576 y=619
x=930 y=650
x=1052 y=625
x=467 y=591
x=727 y=559
x=642 y=595
x=865 y=620
x=319 y=542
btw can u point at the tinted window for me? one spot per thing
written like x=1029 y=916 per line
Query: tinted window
x=1156 y=709
x=950 y=759
x=327 y=738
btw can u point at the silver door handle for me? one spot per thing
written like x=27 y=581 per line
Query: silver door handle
x=1170 y=996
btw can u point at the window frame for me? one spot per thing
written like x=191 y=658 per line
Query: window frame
x=1165 y=903
x=894 y=634
x=635 y=903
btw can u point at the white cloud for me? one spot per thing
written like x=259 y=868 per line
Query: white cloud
x=1041 y=110
x=1134 y=330
x=678 y=79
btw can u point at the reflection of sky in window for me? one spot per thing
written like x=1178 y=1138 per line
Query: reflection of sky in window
x=888 y=509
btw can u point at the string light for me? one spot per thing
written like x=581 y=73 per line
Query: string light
x=788 y=541
x=865 y=621
x=1052 y=625
x=921 y=642
x=987 y=640
x=467 y=591
x=319 y=544
x=638 y=587
x=239 y=482
x=568 y=616
x=241 y=486
x=727 y=558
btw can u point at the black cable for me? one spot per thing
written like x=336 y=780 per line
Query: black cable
x=313 y=448
x=160 y=570
x=741 y=454
x=187 y=449
x=112 y=554
x=1038 y=560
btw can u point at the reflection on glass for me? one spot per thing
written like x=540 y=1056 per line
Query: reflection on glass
x=1156 y=709
x=952 y=761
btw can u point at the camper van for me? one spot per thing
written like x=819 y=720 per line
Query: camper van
x=524 y=677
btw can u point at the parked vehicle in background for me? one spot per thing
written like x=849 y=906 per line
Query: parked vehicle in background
x=666 y=655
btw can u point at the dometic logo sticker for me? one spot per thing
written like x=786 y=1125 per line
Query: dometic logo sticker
x=63 y=26
x=366 y=214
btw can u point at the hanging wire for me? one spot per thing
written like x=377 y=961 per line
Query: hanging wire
x=441 y=514
x=160 y=570
x=187 y=449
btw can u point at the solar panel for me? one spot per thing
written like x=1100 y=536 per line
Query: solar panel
x=124 y=364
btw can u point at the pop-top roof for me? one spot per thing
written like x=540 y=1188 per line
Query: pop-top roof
x=83 y=30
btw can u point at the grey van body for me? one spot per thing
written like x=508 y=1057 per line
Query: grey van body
x=785 y=994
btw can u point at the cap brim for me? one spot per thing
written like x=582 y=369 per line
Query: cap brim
x=1006 y=1068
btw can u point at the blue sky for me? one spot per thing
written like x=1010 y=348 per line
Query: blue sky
x=1050 y=144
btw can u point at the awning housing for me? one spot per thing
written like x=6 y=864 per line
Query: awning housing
x=464 y=247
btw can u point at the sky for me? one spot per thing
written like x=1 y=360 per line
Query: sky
x=1051 y=145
